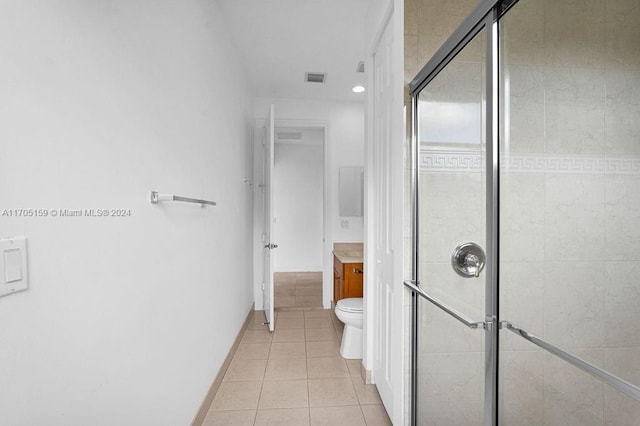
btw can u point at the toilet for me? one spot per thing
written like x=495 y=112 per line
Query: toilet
x=349 y=311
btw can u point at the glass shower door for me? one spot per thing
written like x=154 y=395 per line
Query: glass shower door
x=451 y=214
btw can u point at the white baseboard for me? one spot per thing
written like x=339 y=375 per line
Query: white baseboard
x=208 y=399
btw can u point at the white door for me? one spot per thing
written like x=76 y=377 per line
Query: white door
x=384 y=198
x=268 y=140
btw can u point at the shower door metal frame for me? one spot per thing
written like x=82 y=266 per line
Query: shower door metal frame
x=486 y=15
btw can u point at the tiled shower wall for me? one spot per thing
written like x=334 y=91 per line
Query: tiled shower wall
x=570 y=213
x=570 y=206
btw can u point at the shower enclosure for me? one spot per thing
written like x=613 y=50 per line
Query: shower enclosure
x=526 y=265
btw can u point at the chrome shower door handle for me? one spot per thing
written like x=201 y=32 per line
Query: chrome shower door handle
x=472 y=262
x=468 y=260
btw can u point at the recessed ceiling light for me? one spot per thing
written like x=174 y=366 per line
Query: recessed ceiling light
x=358 y=89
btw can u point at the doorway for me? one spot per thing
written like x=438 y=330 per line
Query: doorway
x=298 y=192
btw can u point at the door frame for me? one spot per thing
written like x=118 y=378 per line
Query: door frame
x=327 y=251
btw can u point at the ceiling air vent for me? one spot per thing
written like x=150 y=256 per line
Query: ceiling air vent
x=315 y=77
x=360 y=67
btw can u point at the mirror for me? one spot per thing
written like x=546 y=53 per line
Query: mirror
x=350 y=187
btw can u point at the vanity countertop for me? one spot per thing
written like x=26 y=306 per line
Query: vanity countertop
x=348 y=256
x=349 y=252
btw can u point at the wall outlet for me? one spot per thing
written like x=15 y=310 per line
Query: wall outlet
x=344 y=224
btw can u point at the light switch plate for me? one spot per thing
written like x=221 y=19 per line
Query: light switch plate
x=13 y=265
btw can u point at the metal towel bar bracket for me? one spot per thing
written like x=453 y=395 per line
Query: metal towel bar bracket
x=156 y=197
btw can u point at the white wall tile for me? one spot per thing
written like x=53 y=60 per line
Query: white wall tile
x=574 y=33
x=437 y=19
x=622 y=217
x=522 y=212
x=574 y=110
x=522 y=300
x=522 y=34
x=622 y=304
x=619 y=409
x=451 y=411
x=574 y=304
x=574 y=217
x=622 y=108
x=622 y=34
x=522 y=109
x=456 y=376
x=521 y=388
x=572 y=397
x=454 y=214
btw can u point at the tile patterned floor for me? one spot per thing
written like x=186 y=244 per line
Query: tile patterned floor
x=295 y=376
x=297 y=289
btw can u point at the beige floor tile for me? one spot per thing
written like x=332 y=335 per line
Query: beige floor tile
x=291 y=335
x=375 y=415
x=366 y=394
x=284 y=301
x=256 y=336
x=318 y=323
x=289 y=323
x=288 y=350
x=284 y=277
x=313 y=290
x=309 y=284
x=317 y=313
x=337 y=323
x=257 y=324
x=230 y=418
x=297 y=314
x=285 y=290
x=245 y=370
x=307 y=275
x=237 y=396
x=323 y=368
x=258 y=314
x=330 y=416
x=331 y=392
x=284 y=394
x=354 y=366
x=252 y=351
x=320 y=335
x=286 y=369
x=283 y=417
x=309 y=301
x=323 y=349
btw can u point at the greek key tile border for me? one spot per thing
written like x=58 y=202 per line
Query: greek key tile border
x=471 y=162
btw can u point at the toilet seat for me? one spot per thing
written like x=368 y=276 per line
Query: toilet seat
x=351 y=304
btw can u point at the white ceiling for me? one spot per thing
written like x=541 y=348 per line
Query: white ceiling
x=280 y=40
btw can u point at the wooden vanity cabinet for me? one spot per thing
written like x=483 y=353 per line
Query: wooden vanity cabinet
x=347 y=280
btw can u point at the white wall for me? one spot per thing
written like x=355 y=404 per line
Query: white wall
x=102 y=102
x=298 y=202
x=344 y=122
